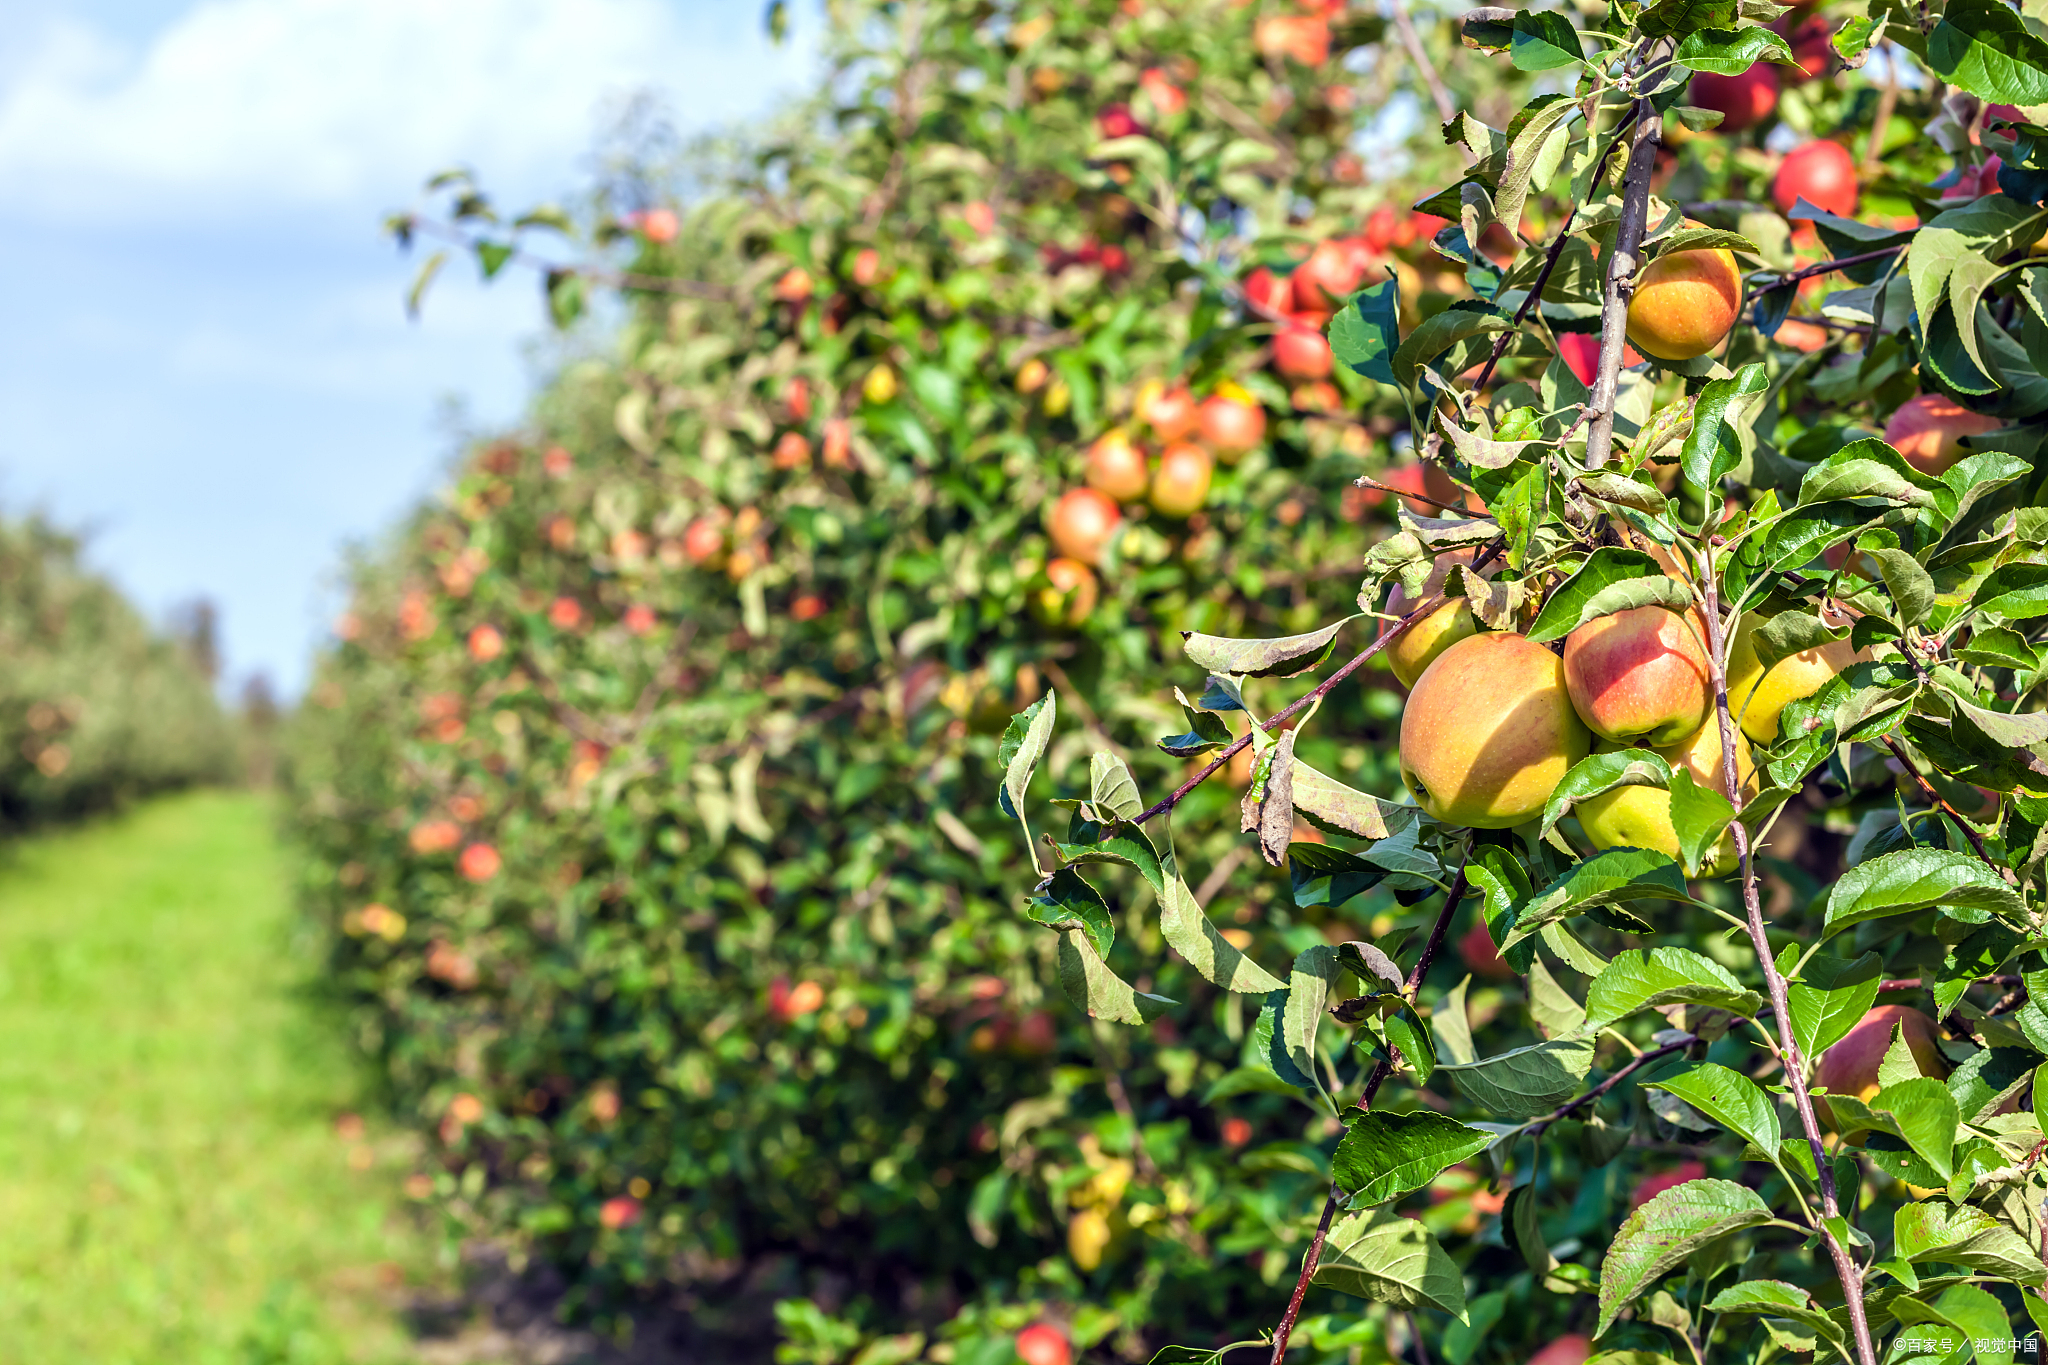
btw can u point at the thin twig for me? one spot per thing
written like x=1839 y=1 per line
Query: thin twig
x=1296 y=707
x=1381 y=1070
x=617 y=279
x=1446 y=108
x=1939 y=802
x=1637 y=1063
x=1619 y=287
x=1824 y=268
x=1788 y=1045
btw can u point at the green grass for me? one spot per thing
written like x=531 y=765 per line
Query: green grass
x=172 y=1185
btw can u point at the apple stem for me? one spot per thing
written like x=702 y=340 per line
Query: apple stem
x=1788 y=1045
x=1381 y=1070
x=1296 y=707
x=1622 y=264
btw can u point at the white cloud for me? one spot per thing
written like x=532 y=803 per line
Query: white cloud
x=271 y=103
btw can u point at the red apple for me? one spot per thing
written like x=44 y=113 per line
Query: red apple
x=1301 y=353
x=1043 y=1344
x=1236 y=1132
x=1117 y=467
x=1070 y=595
x=1170 y=414
x=486 y=643
x=1821 y=172
x=1181 y=483
x=1654 y=1185
x=1927 y=430
x=794 y=286
x=1265 y=290
x=658 y=225
x=1566 y=1350
x=1812 y=47
x=479 y=862
x=1581 y=353
x=704 y=540
x=1332 y=271
x=1117 y=120
x=618 y=1212
x=1232 y=422
x=1480 y=954
x=1742 y=101
x=1081 y=524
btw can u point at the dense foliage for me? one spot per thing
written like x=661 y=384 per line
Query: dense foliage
x=643 y=788
x=1707 y=624
x=96 y=707
x=660 y=796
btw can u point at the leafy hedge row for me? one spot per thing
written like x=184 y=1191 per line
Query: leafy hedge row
x=96 y=707
x=645 y=791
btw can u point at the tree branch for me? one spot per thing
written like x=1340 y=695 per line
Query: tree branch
x=1446 y=108
x=1383 y=1069
x=1296 y=707
x=1936 y=799
x=1788 y=1046
x=1622 y=264
x=1636 y=1064
x=617 y=279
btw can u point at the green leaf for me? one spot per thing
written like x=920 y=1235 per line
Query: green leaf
x=1437 y=334
x=1406 y=1032
x=1598 y=773
x=1624 y=491
x=1526 y=1081
x=1189 y=932
x=1643 y=978
x=1123 y=848
x=1912 y=587
x=1789 y=633
x=1023 y=744
x=1281 y=658
x=1727 y=52
x=1092 y=986
x=1898 y=883
x=1931 y=1230
x=1665 y=1231
x=1551 y=1005
x=1927 y=1117
x=1699 y=816
x=1382 y=1256
x=2015 y=730
x=1611 y=580
x=1069 y=902
x=1611 y=877
x=1111 y=787
x=429 y=268
x=1385 y=1155
x=1330 y=805
x=1518 y=1221
x=2014 y=591
x=1452 y=1027
x=1720 y=425
x=1727 y=1097
x=1986 y=49
x=1866 y=469
x=1543 y=41
x=1267 y=1043
x=1206 y=731
x=1777 y=1299
x=1829 y=998
x=1308 y=992
x=1669 y=18
x=491 y=257
x=1366 y=331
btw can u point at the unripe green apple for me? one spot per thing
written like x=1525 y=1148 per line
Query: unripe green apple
x=1758 y=696
x=1489 y=732
x=1640 y=817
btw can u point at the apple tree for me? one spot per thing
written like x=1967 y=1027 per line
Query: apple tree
x=1725 y=723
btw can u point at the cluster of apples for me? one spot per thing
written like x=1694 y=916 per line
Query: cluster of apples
x=1494 y=720
x=1747 y=99
x=1192 y=437
x=1300 y=304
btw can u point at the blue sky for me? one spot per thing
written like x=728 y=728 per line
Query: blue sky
x=205 y=361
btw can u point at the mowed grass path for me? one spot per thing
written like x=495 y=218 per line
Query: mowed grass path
x=172 y=1185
